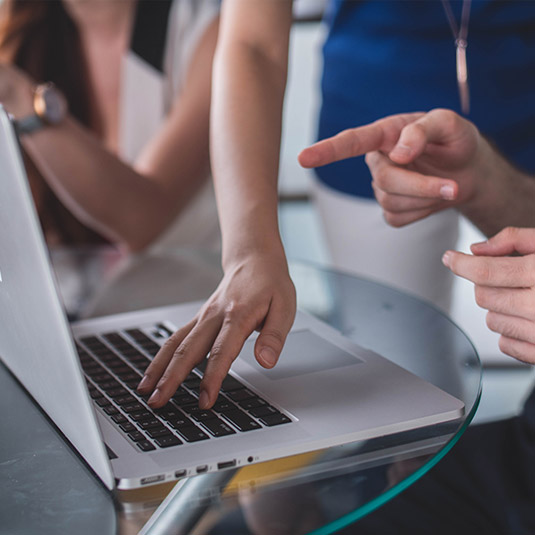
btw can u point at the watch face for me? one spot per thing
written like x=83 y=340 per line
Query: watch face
x=50 y=104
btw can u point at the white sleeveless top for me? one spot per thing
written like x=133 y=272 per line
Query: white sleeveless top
x=165 y=36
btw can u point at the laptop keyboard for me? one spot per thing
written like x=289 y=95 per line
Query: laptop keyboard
x=113 y=365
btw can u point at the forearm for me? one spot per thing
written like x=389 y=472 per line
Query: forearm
x=505 y=196
x=98 y=188
x=250 y=79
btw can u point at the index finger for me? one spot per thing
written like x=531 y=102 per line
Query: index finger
x=502 y=272
x=381 y=135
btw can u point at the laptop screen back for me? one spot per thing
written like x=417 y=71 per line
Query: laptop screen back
x=36 y=344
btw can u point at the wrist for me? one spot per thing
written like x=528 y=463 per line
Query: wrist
x=49 y=108
x=250 y=249
x=491 y=173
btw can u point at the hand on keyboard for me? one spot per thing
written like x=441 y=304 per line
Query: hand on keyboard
x=255 y=294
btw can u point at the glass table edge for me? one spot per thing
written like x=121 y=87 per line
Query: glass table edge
x=361 y=512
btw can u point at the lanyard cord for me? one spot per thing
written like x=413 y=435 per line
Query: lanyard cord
x=460 y=36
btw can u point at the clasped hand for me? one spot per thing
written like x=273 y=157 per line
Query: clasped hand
x=505 y=286
x=420 y=162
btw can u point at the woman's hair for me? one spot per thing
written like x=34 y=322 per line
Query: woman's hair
x=40 y=38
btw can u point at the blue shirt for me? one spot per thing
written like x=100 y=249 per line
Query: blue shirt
x=386 y=57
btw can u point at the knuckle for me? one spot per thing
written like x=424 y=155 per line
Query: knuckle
x=448 y=118
x=483 y=272
x=390 y=203
x=530 y=268
x=171 y=343
x=492 y=322
x=392 y=219
x=480 y=296
x=217 y=353
x=509 y=233
x=237 y=315
x=275 y=337
x=372 y=160
x=209 y=310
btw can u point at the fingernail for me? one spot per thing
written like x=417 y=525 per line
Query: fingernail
x=402 y=150
x=143 y=383
x=447 y=192
x=155 y=398
x=204 y=399
x=446 y=259
x=268 y=356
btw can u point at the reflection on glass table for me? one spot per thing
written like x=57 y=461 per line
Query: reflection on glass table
x=316 y=492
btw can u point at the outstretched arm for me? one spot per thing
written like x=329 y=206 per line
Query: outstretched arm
x=256 y=291
x=425 y=162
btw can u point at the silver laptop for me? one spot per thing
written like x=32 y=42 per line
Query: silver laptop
x=324 y=391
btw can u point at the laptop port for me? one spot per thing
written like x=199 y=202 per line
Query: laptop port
x=201 y=469
x=226 y=464
x=180 y=473
x=152 y=479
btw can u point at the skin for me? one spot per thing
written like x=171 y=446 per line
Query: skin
x=130 y=205
x=423 y=163
x=256 y=291
x=505 y=286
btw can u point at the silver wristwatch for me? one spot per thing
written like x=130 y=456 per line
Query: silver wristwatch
x=50 y=107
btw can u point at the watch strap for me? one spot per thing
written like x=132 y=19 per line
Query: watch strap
x=29 y=124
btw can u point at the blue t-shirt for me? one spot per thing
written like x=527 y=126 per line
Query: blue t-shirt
x=385 y=57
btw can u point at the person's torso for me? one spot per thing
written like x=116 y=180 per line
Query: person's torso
x=388 y=57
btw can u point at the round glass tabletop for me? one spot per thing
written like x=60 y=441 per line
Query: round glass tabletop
x=317 y=492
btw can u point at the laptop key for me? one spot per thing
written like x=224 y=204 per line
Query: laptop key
x=149 y=424
x=137 y=436
x=263 y=411
x=184 y=398
x=192 y=434
x=133 y=407
x=252 y=403
x=181 y=421
x=119 y=419
x=241 y=420
x=117 y=393
x=201 y=416
x=166 y=442
x=145 y=445
x=128 y=427
x=141 y=416
x=159 y=432
x=218 y=428
x=125 y=400
x=240 y=395
x=110 y=410
x=230 y=383
x=275 y=419
x=225 y=405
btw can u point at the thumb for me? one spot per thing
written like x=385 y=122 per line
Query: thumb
x=270 y=341
x=438 y=126
x=510 y=240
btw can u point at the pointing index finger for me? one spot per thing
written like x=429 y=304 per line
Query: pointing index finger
x=381 y=135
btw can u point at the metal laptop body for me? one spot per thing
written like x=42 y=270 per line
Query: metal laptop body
x=332 y=390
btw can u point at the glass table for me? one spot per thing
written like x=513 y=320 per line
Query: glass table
x=48 y=489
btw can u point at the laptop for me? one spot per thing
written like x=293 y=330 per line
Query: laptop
x=324 y=391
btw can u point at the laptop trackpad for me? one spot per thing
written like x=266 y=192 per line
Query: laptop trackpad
x=304 y=352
